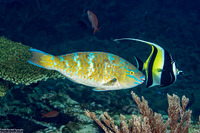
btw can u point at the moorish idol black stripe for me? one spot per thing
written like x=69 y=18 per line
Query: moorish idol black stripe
x=160 y=68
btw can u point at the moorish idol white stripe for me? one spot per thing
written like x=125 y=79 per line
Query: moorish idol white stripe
x=160 y=68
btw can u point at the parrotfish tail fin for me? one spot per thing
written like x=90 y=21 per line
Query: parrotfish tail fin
x=41 y=59
x=140 y=64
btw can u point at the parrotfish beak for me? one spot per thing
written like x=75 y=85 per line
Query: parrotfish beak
x=142 y=78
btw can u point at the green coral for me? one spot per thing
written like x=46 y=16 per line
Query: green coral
x=15 y=68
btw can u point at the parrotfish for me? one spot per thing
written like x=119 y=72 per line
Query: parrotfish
x=104 y=71
x=93 y=19
x=160 y=68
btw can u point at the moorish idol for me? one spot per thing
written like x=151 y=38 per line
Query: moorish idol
x=160 y=68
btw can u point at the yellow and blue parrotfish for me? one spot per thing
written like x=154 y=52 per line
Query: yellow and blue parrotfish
x=160 y=68
x=104 y=71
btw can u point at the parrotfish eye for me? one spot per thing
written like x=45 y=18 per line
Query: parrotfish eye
x=131 y=73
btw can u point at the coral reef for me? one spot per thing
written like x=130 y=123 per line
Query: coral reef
x=179 y=119
x=26 y=103
x=22 y=108
x=4 y=86
x=63 y=27
x=15 y=68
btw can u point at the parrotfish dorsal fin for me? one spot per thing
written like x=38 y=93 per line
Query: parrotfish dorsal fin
x=139 y=63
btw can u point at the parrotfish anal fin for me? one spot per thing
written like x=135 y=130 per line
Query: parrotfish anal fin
x=139 y=63
x=99 y=89
x=110 y=83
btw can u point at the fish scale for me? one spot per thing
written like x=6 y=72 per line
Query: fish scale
x=96 y=69
x=96 y=61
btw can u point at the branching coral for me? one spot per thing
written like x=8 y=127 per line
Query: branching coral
x=176 y=112
x=149 y=122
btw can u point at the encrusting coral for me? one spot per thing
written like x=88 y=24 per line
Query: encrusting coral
x=149 y=122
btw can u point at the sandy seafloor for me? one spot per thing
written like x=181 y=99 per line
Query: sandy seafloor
x=61 y=27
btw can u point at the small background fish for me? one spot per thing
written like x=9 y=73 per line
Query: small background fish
x=93 y=19
x=50 y=114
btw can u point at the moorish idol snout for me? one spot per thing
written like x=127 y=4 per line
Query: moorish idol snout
x=160 y=68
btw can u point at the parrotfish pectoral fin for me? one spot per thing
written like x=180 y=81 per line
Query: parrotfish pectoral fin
x=139 y=63
x=111 y=82
x=40 y=59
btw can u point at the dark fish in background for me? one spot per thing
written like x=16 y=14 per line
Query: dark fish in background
x=160 y=67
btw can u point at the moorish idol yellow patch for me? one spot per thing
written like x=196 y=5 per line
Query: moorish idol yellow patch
x=104 y=71
x=160 y=68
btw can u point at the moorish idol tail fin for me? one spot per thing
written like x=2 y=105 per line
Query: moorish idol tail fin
x=41 y=59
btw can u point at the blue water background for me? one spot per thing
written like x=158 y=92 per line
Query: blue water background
x=60 y=27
